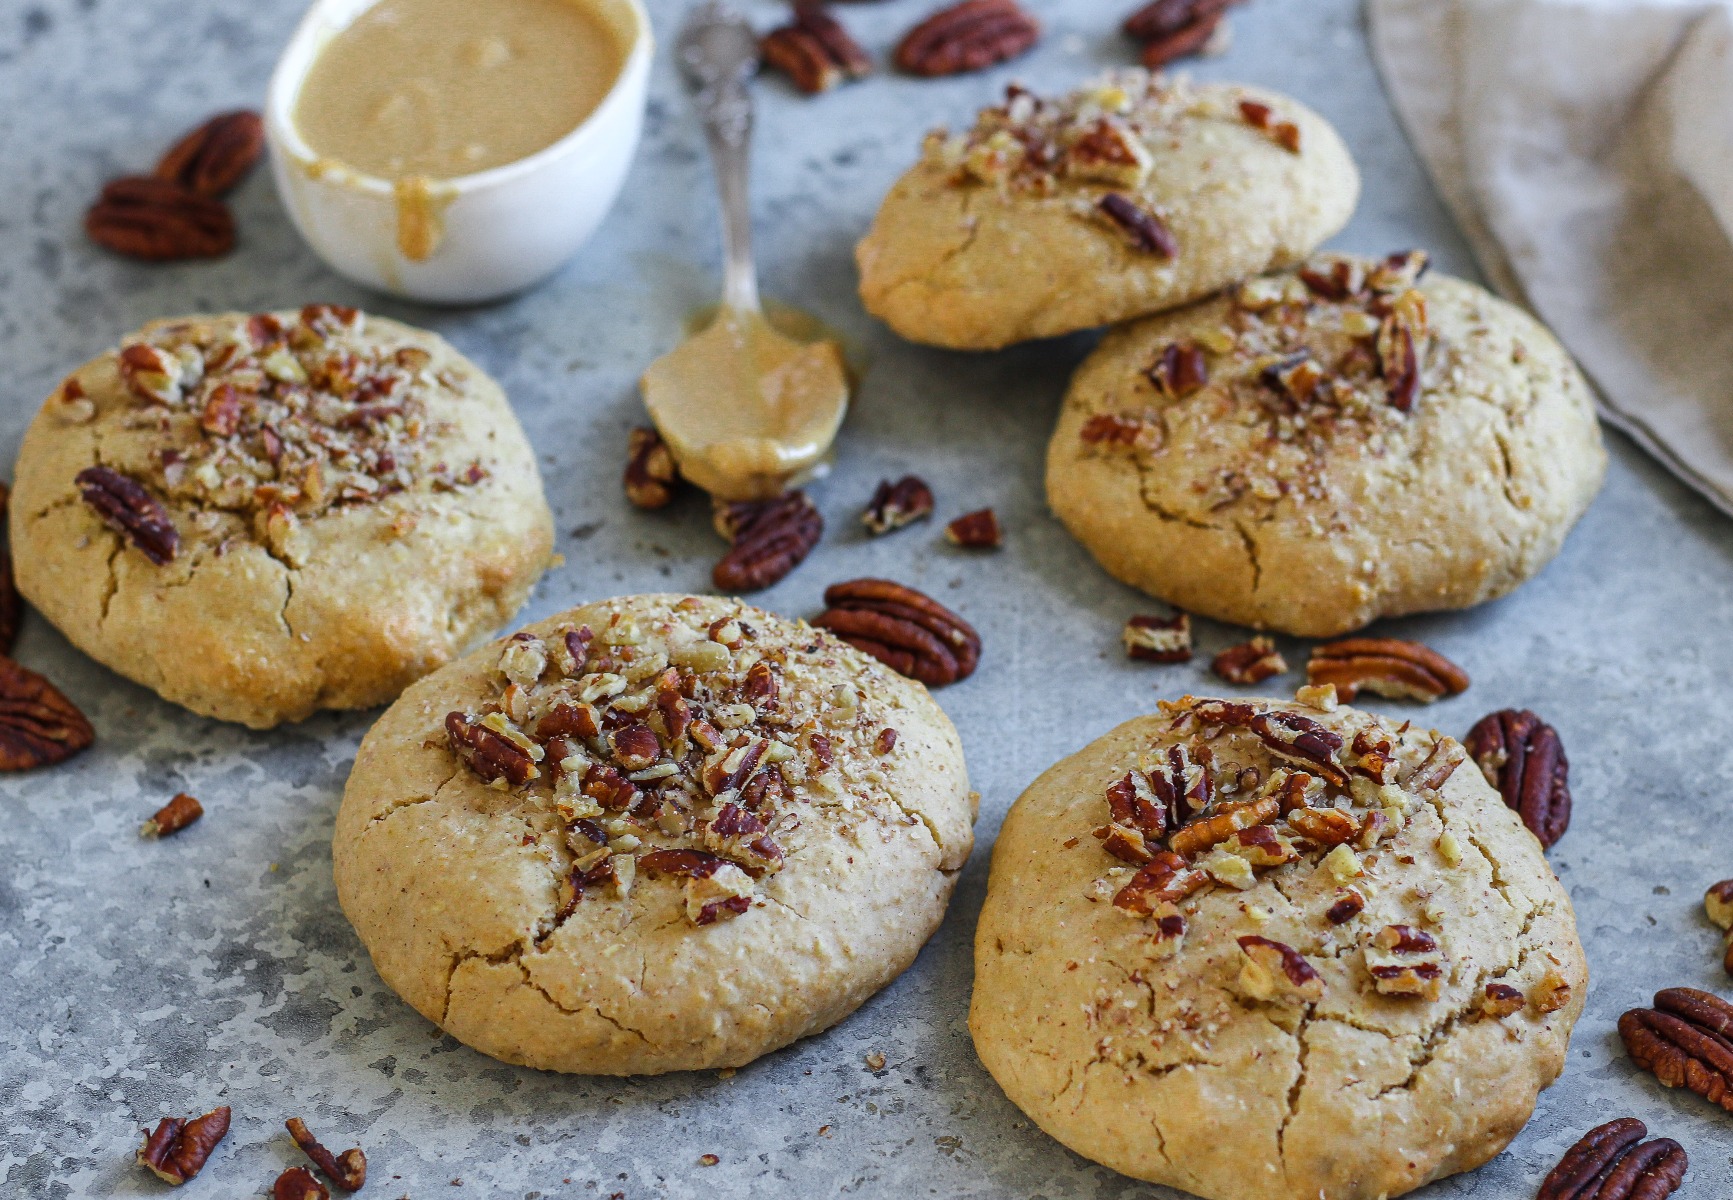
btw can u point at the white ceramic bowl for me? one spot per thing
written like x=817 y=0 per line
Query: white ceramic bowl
x=492 y=233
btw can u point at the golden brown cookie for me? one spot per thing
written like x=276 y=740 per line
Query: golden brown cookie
x=1130 y=196
x=1315 y=450
x=262 y=516
x=652 y=834
x=1270 y=951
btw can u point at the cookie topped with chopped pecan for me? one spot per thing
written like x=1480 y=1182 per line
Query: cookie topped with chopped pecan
x=1311 y=450
x=264 y=514
x=654 y=833
x=1128 y=196
x=1298 y=922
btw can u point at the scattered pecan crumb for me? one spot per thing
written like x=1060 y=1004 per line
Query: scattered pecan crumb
x=908 y=631
x=708 y=1160
x=1397 y=669
x=178 y=1150
x=978 y=530
x=652 y=478
x=895 y=505
x=1250 y=662
x=967 y=37
x=1522 y=757
x=770 y=538
x=348 y=1170
x=298 y=1183
x=1158 y=639
x=875 y=1061
x=1612 y=1162
x=814 y=50
x=1145 y=230
x=172 y=817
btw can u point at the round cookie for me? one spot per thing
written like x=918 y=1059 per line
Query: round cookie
x=262 y=516
x=1315 y=450
x=1274 y=1017
x=1004 y=233
x=652 y=834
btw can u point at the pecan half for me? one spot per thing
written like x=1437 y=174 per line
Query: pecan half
x=652 y=478
x=1685 y=1040
x=172 y=817
x=38 y=725
x=1387 y=666
x=1276 y=971
x=144 y=217
x=1608 y=1163
x=215 y=157
x=771 y=538
x=178 y=1150
x=1522 y=757
x=909 y=632
x=126 y=507
x=298 y=1183
x=1718 y=904
x=978 y=530
x=815 y=51
x=1175 y=29
x=1250 y=662
x=967 y=37
x=1158 y=639
x=1145 y=230
x=894 y=505
x=1180 y=370
x=348 y=1170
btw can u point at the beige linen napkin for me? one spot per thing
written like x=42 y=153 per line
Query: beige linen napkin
x=1586 y=149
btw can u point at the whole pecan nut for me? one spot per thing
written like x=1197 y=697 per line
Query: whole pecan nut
x=1522 y=757
x=894 y=505
x=815 y=51
x=173 y=817
x=771 y=538
x=652 y=478
x=908 y=631
x=177 y=1150
x=1175 y=29
x=126 y=507
x=1250 y=662
x=1612 y=1162
x=347 y=1170
x=1158 y=639
x=967 y=37
x=144 y=217
x=1685 y=1040
x=1387 y=666
x=1145 y=230
x=215 y=157
x=38 y=725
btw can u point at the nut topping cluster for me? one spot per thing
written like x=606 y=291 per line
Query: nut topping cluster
x=1199 y=814
x=272 y=421
x=676 y=749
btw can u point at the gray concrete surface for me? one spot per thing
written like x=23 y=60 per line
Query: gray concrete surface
x=139 y=979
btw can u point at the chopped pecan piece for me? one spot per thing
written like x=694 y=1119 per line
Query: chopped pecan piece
x=1260 y=116
x=651 y=478
x=1405 y=961
x=1295 y=378
x=1608 y=1163
x=1116 y=429
x=1500 y=1000
x=1222 y=824
x=178 y=1150
x=1718 y=904
x=1165 y=879
x=1158 y=639
x=1522 y=757
x=1138 y=819
x=716 y=889
x=348 y=1170
x=1108 y=152
x=978 y=530
x=1250 y=662
x=1398 y=669
x=215 y=157
x=38 y=726
x=1325 y=826
x=815 y=51
x=1552 y=993
x=1349 y=903
x=1180 y=370
x=909 y=632
x=1398 y=349
x=126 y=507
x=967 y=37
x=298 y=1183
x=144 y=217
x=1301 y=739
x=1275 y=971
x=1145 y=230
x=173 y=817
x=1335 y=279
x=771 y=538
x=894 y=505
x=1167 y=931
x=489 y=751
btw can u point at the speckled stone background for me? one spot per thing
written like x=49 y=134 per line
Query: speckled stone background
x=139 y=979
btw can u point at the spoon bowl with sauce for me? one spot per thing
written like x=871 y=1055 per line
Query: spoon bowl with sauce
x=745 y=409
x=454 y=151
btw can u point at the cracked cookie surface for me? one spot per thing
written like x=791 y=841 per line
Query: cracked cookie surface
x=1247 y=1035
x=1314 y=450
x=651 y=834
x=999 y=234
x=342 y=503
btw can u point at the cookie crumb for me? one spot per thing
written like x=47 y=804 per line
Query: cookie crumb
x=875 y=1061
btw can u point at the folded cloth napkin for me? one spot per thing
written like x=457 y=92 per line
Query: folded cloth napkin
x=1586 y=149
